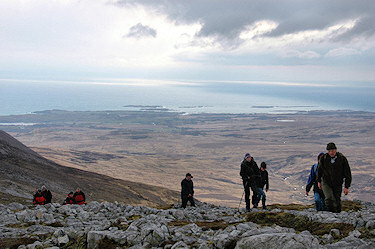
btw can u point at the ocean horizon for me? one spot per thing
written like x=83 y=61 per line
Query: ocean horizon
x=22 y=97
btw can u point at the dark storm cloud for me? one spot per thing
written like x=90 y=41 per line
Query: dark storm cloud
x=139 y=31
x=227 y=18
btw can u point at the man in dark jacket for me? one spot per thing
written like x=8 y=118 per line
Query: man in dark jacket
x=187 y=191
x=333 y=169
x=79 y=197
x=250 y=175
x=312 y=181
x=47 y=194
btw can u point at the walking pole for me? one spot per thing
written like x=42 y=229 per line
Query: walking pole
x=241 y=200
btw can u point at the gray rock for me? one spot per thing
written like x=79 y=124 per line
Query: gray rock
x=35 y=245
x=278 y=241
x=370 y=224
x=180 y=245
x=335 y=232
x=63 y=240
x=16 y=206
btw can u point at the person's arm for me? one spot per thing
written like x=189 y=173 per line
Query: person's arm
x=347 y=175
x=192 y=188
x=310 y=181
x=267 y=182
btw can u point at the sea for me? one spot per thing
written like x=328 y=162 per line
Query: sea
x=25 y=96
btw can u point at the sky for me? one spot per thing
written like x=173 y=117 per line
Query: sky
x=310 y=41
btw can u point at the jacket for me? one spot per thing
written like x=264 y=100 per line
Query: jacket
x=312 y=181
x=47 y=195
x=39 y=199
x=187 y=187
x=80 y=197
x=250 y=172
x=264 y=179
x=69 y=200
x=334 y=174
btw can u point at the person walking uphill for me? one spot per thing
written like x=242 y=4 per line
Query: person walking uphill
x=249 y=173
x=312 y=181
x=187 y=191
x=333 y=169
x=263 y=182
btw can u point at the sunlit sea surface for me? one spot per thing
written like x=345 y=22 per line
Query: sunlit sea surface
x=19 y=97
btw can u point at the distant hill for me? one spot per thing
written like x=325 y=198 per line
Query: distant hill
x=23 y=171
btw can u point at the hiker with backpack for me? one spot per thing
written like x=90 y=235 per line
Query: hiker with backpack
x=250 y=174
x=312 y=181
x=333 y=169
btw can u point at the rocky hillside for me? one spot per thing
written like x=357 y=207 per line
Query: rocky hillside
x=23 y=171
x=114 y=225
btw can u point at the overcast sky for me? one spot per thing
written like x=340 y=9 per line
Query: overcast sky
x=309 y=41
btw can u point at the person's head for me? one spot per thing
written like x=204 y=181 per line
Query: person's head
x=248 y=157
x=44 y=188
x=70 y=194
x=39 y=191
x=320 y=156
x=188 y=176
x=263 y=166
x=78 y=190
x=332 y=149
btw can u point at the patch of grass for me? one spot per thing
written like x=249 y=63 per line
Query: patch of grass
x=298 y=223
x=292 y=206
x=165 y=207
x=14 y=243
x=178 y=223
x=79 y=243
x=346 y=206
x=205 y=225
x=367 y=234
x=351 y=206
x=120 y=225
x=21 y=225
x=134 y=217
x=107 y=243
x=213 y=225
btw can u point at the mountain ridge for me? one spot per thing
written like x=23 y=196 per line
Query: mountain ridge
x=23 y=170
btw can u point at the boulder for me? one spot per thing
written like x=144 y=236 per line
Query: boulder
x=278 y=241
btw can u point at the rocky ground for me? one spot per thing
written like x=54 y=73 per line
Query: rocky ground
x=115 y=225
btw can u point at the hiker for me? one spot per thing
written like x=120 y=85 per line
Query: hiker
x=69 y=199
x=333 y=169
x=47 y=194
x=39 y=198
x=263 y=182
x=250 y=173
x=79 y=197
x=187 y=191
x=312 y=181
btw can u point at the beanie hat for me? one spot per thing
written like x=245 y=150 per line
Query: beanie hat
x=331 y=146
x=320 y=154
x=247 y=155
x=263 y=165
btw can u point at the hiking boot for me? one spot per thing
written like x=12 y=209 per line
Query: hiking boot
x=265 y=208
x=255 y=207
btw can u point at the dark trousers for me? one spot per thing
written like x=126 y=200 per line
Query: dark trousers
x=185 y=199
x=247 y=186
x=332 y=197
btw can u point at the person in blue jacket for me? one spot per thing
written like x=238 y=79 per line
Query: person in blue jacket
x=312 y=181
